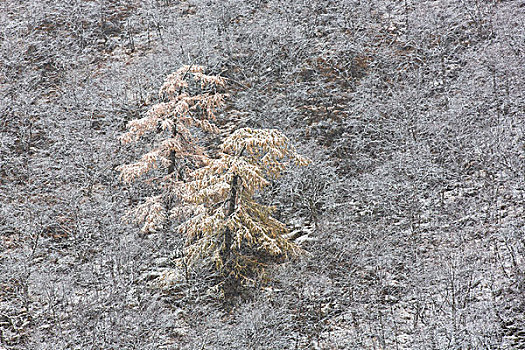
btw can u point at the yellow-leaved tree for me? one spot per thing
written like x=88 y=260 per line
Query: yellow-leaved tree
x=221 y=219
x=190 y=101
x=228 y=225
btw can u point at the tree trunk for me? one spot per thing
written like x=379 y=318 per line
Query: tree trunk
x=231 y=209
x=171 y=170
x=173 y=159
x=231 y=284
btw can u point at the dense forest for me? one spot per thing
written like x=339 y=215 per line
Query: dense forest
x=406 y=215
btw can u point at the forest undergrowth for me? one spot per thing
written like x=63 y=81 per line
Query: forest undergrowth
x=410 y=214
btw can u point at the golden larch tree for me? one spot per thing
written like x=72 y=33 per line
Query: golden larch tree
x=228 y=225
x=190 y=100
x=221 y=219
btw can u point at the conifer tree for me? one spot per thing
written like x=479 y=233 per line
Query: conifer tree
x=228 y=225
x=191 y=101
x=221 y=218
